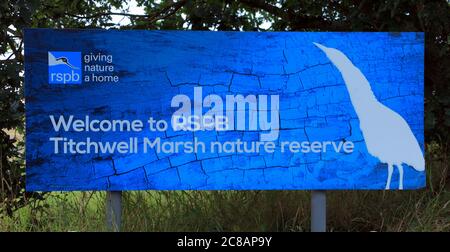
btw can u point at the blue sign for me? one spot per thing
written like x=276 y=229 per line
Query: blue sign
x=172 y=110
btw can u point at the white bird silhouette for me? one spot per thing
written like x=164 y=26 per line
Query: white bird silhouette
x=387 y=135
x=53 y=61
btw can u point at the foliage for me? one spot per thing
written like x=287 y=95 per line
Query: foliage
x=433 y=17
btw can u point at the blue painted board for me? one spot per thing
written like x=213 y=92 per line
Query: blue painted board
x=134 y=75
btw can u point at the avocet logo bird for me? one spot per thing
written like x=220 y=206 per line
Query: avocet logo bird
x=53 y=61
x=387 y=135
x=64 y=67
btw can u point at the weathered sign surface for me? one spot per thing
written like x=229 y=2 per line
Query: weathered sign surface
x=169 y=110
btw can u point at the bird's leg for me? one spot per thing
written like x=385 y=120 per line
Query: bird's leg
x=400 y=172
x=390 y=170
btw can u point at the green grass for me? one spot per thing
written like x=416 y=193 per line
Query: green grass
x=237 y=211
x=421 y=210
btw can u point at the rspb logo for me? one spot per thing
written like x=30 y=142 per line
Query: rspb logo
x=64 y=67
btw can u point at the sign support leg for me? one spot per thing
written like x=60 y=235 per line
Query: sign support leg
x=113 y=210
x=318 y=211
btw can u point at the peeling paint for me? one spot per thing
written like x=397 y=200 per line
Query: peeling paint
x=314 y=105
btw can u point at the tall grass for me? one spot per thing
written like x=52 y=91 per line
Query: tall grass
x=422 y=210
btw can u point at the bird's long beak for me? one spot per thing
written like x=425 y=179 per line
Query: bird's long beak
x=321 y=47
x=339 y=59
x=71 y=66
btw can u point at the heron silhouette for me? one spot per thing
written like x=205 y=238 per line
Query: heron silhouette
x=387 y=135
x=53 y=61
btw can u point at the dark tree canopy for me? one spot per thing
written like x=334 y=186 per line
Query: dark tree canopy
x=433 y=17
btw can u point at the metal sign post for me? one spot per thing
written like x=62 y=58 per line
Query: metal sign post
x=318 y=211
x=113 y=210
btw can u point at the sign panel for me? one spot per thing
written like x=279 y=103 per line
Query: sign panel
x=170 y=110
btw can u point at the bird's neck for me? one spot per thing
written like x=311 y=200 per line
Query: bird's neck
x=361 y=95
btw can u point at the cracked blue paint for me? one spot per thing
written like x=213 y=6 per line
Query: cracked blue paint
x=153 y=66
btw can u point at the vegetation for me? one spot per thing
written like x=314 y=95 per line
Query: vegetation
x=423 y=210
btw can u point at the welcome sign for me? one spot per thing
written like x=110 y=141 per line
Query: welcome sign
x=170 y=110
